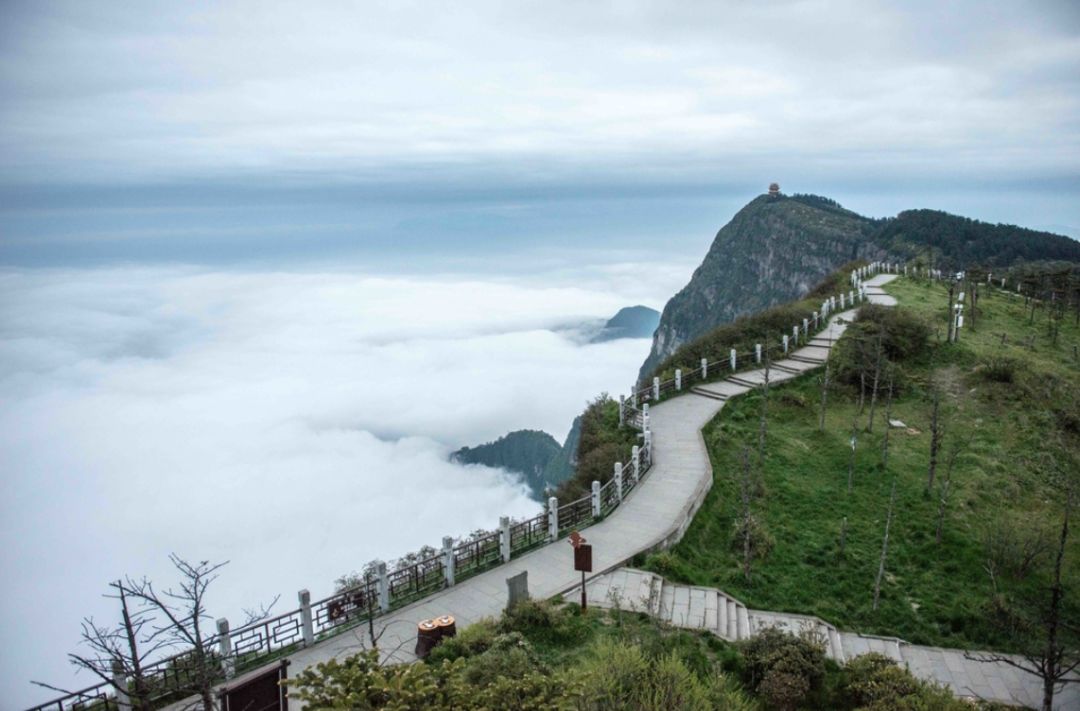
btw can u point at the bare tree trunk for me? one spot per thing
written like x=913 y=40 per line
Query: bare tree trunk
x=873 y=393
x=935 y=439
x=824 y=395
x=941 y=510
x=851 y=462
x=843 y=536
x=952 y=318
x=1053 y=657
x=888 y=427
x=884 y=547
x=862 y=390
x=763 y=424
x=746 y=513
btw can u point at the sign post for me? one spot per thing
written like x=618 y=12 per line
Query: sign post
x=582 y=560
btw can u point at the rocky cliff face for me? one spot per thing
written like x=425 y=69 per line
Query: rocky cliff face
x=774 y=250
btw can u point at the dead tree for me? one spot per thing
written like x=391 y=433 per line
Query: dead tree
x=747 y=523
x=854 y=441
x=877 y=378
x=884 y=546
x=763 y=424
x=936 y=431
x=959 y=446
x=117 y=656
x=1055 y=656
x=824 y=394
x=888 y=427
x=182 y=611
x=950 y=310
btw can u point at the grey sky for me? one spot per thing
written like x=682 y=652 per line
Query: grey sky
x=501 y=102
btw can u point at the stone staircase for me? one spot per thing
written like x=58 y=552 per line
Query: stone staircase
x=713 y=610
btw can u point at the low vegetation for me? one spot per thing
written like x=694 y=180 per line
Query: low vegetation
x=972 y=538
x=602 y=444
x=553 y=656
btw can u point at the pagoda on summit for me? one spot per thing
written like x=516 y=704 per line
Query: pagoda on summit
x=774 y=190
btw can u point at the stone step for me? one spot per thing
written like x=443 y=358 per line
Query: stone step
x=698 y=390
x=836 y=647
x=712 y=613
x=807 y=360
x=741 y=381
x=733 y=620
x=667 y=600
x=721 y=614
x=786 y=369
x=695 y=616
x=744 y=621
x=680 y=613
x=655 y=593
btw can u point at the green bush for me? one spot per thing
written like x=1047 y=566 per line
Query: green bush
x=875 y=683
x=541 y=621
x=510 y=656
x=904 y=333
x=475 y=639
x=782 y=668
x=999 y=370
x=620 y=675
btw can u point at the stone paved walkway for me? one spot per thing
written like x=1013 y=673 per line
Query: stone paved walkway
x=656 y=514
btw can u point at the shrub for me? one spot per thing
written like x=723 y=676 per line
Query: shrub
x=760 y=540
x=904 y=334
x=999 y=370
x=509 y=657
x=782 y=667
x=541 y=621
x=475 y=639
x=875 y=683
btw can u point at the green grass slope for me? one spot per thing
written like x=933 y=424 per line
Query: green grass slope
x=1019 y=409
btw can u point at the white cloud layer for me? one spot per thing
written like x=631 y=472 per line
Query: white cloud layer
x=295 y=423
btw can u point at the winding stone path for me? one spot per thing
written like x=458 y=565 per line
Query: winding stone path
x=655 y=515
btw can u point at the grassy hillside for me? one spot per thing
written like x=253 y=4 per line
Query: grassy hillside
x=1013 y=411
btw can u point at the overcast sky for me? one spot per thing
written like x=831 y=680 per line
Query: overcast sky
x=342 y=126
x=263 y=265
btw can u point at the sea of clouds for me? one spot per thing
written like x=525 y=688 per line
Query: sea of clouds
x=295 y=423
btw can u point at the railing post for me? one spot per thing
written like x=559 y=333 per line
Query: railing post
x=622 y=410
x=645 y=417
x=656 y=388
x=618 y=480
x=633 y=396
x=635 y=453
x=785 y=343
x=757 y=352
x=119 y=678
x=228 y=666
x=842 y=305
x=815 y=320
x=851 y=298
x=596 y=499
x=553 y=518
x=795 y=334
x=306 y=620
x=384 y=586
x=704 y=368
x=448 y=560
x=648 y=448
x=504 y=538
x=678 y=378
x=806 y=329
x=733 y=357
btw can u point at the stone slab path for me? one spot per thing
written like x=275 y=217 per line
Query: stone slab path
x=701 y=608
x=655 y=514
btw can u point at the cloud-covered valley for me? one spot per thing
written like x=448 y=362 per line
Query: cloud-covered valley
x=295 y=423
